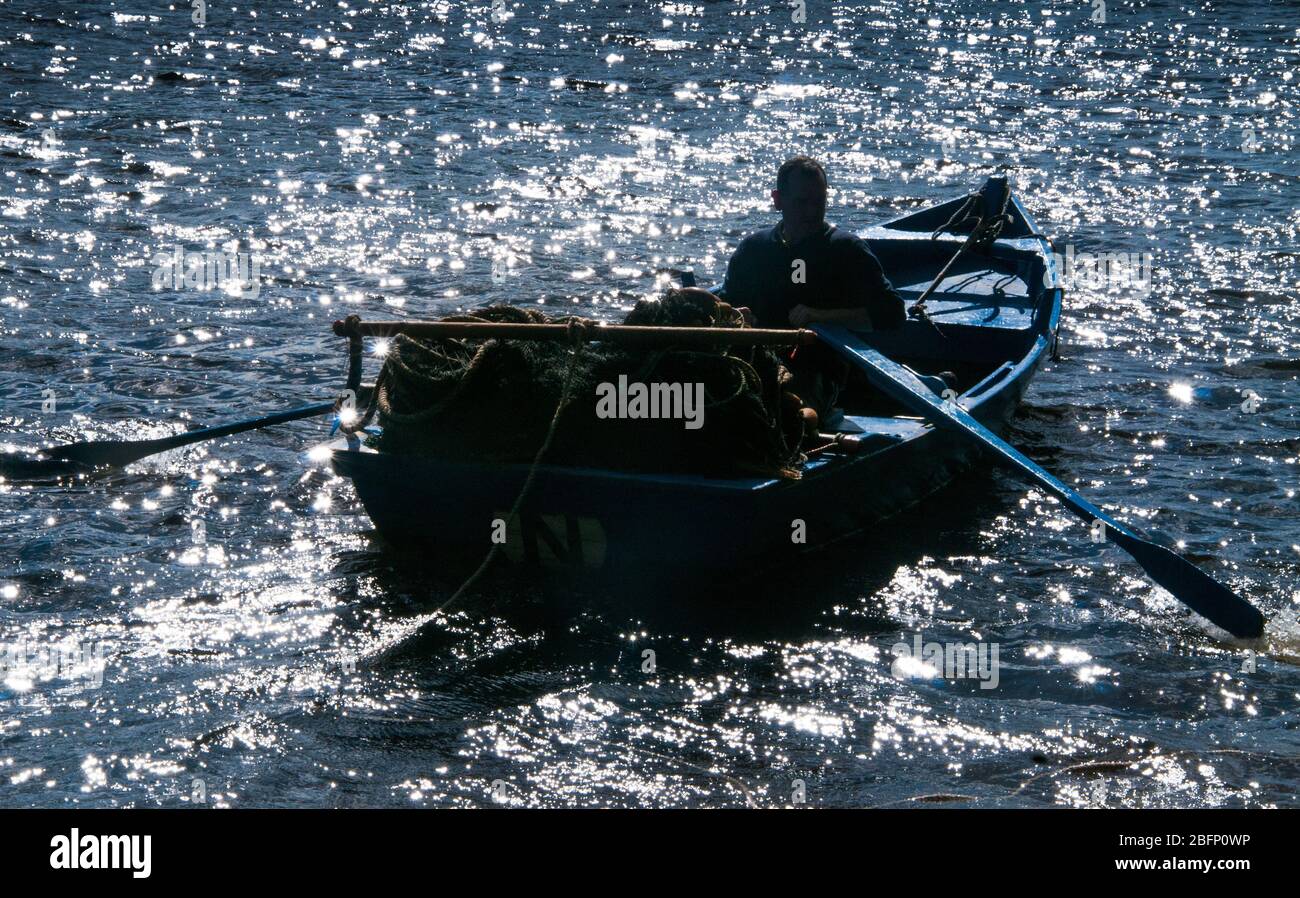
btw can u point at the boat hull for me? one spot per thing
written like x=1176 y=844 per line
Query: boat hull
x=628 y=528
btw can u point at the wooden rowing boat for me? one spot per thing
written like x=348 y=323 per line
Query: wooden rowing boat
x=993 y=319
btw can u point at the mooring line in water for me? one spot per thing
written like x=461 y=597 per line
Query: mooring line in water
x=565 y=399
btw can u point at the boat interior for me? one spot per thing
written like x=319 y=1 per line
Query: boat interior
x=984 y=317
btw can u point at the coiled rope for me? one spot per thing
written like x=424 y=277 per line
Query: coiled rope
x=481 y=400
x=484 y=400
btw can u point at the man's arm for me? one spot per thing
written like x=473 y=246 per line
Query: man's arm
x=858 y=319
x=737 y=285
x=882 y=301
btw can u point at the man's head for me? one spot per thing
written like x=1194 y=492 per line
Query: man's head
x=801 y=196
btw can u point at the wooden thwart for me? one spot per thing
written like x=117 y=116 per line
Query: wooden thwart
x=610 y=333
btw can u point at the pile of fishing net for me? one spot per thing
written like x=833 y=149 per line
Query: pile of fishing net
x=496 y=400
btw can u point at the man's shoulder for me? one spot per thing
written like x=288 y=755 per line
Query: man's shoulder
x=759 y=239
x=848 y=245
x=844 y=239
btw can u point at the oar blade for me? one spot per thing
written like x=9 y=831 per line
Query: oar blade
x=29 y=466
x=104 y=453
x=1193 y=587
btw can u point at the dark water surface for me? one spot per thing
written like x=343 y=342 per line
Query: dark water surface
x=382 y=158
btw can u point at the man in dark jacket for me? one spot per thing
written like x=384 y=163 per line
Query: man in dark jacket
x=803 y=271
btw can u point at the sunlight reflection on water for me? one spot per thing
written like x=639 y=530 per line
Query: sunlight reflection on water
x=424 y=164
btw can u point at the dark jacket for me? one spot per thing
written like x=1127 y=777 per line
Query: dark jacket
x=839 y=272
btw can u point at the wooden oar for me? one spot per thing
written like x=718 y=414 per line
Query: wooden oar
x=1190 y=585
x=119 y=453
x=632 y=335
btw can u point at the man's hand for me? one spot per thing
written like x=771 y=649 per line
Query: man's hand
x=746 y=313
x=801 y=315
x=855 y=319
